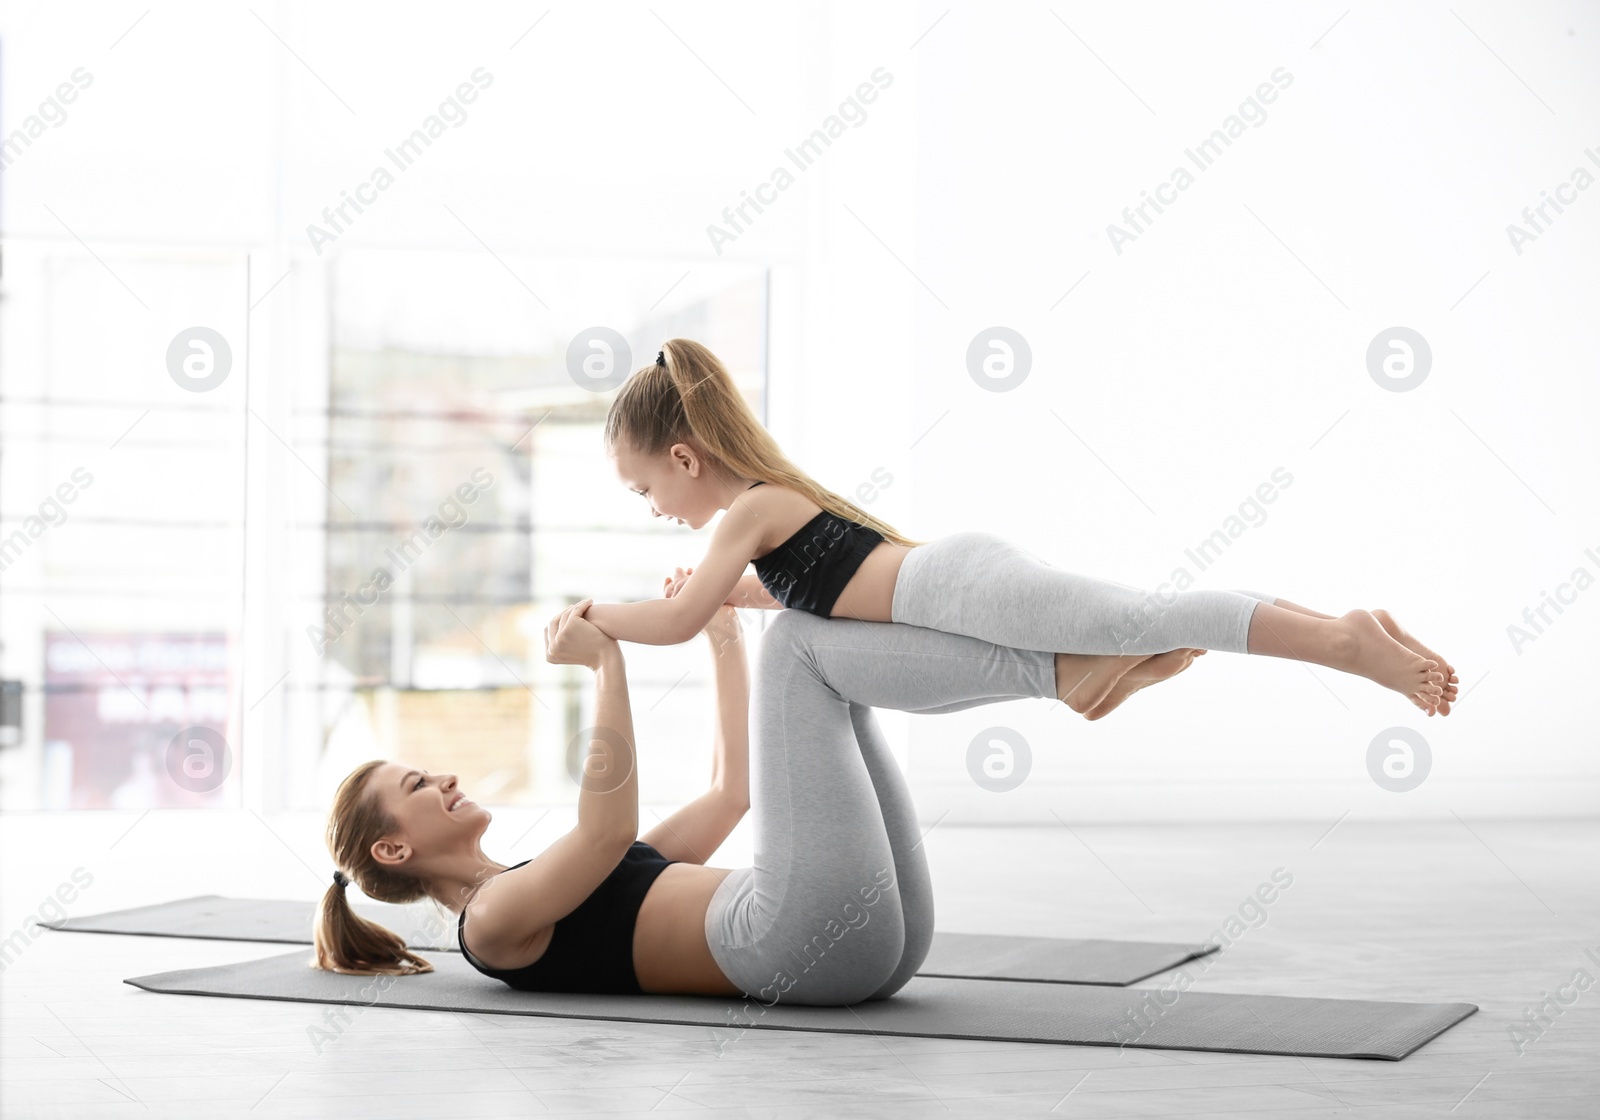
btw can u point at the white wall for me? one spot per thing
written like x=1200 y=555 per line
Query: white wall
x=1226 y=342
x=1183 y=371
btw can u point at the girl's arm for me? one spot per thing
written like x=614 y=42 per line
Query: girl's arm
x=696 y=831
x=750 y=592
x=666 y=622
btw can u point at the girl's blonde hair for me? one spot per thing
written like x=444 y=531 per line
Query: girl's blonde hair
x=692 y=399
x=344 y=940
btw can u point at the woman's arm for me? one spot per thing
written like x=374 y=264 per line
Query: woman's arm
x=517 y=905
x=666 y=622
x=696 y=831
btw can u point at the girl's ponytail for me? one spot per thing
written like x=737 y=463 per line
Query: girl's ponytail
x=693 y=399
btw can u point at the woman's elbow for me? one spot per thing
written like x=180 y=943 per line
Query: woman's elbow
x=737 y=801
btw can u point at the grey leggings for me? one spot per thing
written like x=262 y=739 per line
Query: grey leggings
x=985 y=586
x=837 y=907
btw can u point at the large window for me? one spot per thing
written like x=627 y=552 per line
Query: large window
x=339 y=552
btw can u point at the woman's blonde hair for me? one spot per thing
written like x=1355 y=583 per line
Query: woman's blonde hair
x=692 y=399
x=344 y=940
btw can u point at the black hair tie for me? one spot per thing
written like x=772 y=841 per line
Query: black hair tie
x=339 y=879
x=661 y=357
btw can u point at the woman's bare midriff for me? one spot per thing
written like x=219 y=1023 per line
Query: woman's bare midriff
x=670 y=953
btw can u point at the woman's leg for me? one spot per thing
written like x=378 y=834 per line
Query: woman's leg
x=822 y=916
x=817 y=919
x=905 y=839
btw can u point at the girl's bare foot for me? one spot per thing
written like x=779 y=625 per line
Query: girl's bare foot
x=1160 y=667
x=1404 y=637
x=1083 y=680
x=1373 y=654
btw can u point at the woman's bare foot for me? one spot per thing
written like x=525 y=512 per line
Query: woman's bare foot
x=1404 y=637
x=1083 y=680
x=1160 y=667
x=1373 y=654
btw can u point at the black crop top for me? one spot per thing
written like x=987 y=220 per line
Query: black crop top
x=809 y=571
x=591 y=949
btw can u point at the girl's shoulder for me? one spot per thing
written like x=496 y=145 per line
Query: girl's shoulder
x=772 y=497
x=780 y=512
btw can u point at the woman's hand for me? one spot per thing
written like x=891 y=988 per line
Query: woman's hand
x=724 y=626
x=571 y=639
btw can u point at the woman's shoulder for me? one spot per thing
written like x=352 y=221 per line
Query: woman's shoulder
x=498 y=931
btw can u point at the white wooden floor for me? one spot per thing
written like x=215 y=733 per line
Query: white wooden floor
x=1497 y=915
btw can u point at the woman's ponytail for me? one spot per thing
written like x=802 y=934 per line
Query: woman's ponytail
x=344 y=940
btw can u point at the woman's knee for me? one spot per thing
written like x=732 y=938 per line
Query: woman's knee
x=848 y=957
x=790 y=632
x=873 y=976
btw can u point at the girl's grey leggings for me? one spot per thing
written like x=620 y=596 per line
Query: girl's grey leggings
x=984 y=586
x=837 y=907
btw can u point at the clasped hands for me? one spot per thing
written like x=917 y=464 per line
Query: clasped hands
x=571 y=639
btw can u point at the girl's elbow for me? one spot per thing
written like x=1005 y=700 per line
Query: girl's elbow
x=684 y=626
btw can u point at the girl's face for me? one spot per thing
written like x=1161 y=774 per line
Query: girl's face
x=671 y=482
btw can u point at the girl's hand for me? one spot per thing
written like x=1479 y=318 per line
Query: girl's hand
x=571 y=639
x=674 y=583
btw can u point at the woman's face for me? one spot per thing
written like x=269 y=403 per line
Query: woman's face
x=430 y=810
x=669 y=482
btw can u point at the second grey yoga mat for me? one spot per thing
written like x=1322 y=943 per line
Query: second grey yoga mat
x=936 y=1007
x=980 y=955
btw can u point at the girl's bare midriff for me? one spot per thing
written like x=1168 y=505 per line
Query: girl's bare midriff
x=870 y=593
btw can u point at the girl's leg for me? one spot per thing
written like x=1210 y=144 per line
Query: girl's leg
x=1159 y=667
x=1087 y=679
x=986 y=587
x=1450 y=685
x=1298 y=609
x=1354 y=643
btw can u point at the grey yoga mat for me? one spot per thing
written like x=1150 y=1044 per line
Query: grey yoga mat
x=980 y=955
x=936 y=1007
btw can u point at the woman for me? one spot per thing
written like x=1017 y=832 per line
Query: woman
x=838 y=906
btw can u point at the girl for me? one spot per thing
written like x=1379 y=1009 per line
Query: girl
x=680 y=434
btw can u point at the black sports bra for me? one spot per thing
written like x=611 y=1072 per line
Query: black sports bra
x=591 y=949
x=809 y=571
